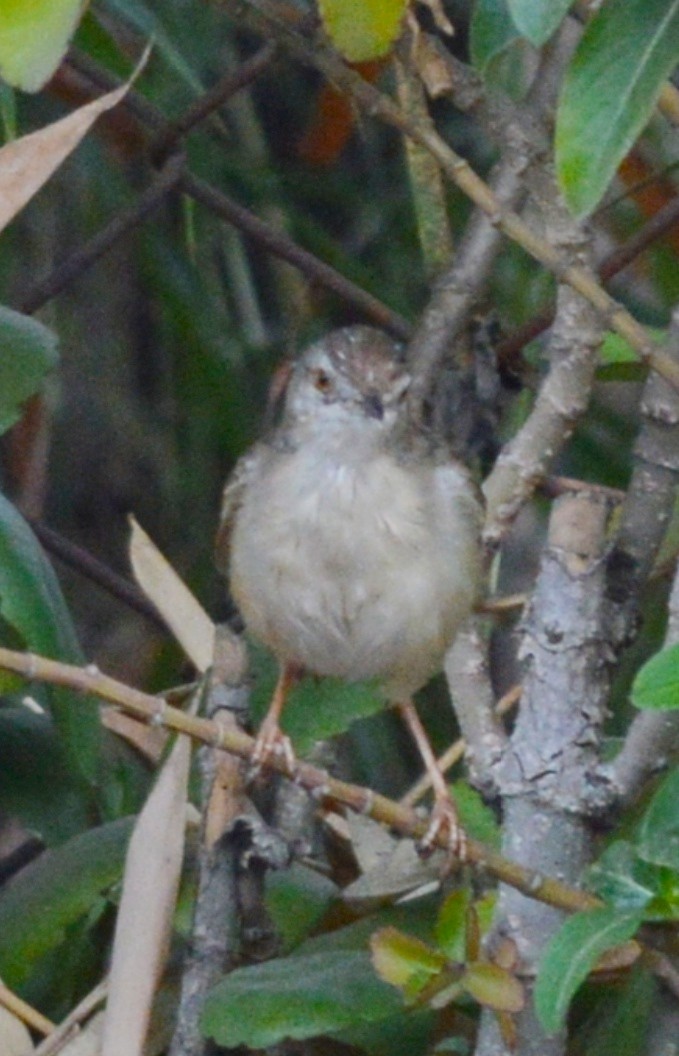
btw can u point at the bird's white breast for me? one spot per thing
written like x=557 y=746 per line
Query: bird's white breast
x=358 y=568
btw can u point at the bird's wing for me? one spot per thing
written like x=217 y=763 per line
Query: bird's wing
x=232 y=497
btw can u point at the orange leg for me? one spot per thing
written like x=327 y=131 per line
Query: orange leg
x=271 y=741
x=444 y=817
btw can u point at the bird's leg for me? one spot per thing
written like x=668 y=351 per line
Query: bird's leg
x=444 y=817
x=271 y=741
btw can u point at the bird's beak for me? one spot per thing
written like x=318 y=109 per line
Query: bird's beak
x=373 y=405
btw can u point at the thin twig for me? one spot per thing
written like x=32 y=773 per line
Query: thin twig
x=78 y=262
x=276 y=242
x=86 y=564
x=263 y=17
x=25 y=1012
x=69 y=1026
x=318 y=782
x=616 y=261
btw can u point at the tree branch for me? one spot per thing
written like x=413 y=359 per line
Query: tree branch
x=318 y=782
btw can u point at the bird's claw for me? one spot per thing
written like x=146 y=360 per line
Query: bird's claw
x=444 y=823
x=271 y=744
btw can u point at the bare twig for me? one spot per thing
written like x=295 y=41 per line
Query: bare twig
x=653 y=230
x=318 y=782
x=264 y=17
x=69 y=1026
x=78 y=262
x=25 y=1012
x=86 y=564
x=244 y=220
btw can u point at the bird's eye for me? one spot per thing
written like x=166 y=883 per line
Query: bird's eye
x=322 y=381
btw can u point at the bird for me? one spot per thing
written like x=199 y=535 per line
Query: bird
x=352 y=543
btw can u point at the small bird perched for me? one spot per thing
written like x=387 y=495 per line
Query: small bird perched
x=352 y=550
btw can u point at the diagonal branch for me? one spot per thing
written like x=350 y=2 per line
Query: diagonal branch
x=318 y=782
x=264 y=17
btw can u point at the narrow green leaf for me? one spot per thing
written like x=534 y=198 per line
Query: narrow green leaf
x=656 y=686
x=364 y=30
x=538 y=19
x=297 y=997
x=34 y=37
x=32 y=603
x=627 y=51
x=659 y=830
x=477 y=818
x=571 y=955
x=620 y=1020
x=54 y=892
x=28 y=350
x=451 y=924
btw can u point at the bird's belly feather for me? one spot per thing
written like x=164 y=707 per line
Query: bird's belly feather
x=352 y=583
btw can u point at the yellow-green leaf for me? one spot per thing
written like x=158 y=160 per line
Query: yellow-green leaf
x=34 y=35
x=362 y=29
x=493 y=987
x=398 y=958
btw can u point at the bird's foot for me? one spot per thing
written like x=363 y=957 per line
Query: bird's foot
x=445 y=824
x=271 y=744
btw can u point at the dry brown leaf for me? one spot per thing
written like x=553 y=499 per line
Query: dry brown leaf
x=188 y=621
x=144 y=925
x=27 y=163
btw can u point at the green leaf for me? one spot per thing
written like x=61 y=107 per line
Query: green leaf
x=626 y=53
x=620 y=878
x=492 y=31
x=317 y=708
x=56 y=808
x=55 y=891
x=33 y=39
x=362 y=29
x=619 y=1023
x=297 y=997
x=451 y=924
x=571 y=955
x=656 y=686
x=147 y=22
x=404 y=960
x=538 y=19
x=659 y=830
x=296 y=899
x=28 y=350
x=477 y=818
x=493 y=987
x=32 y=603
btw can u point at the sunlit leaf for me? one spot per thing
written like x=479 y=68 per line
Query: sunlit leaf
x=34 y=35
x=627 y=51
x=493 y=987
x=402 y=959
x=362 y=29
